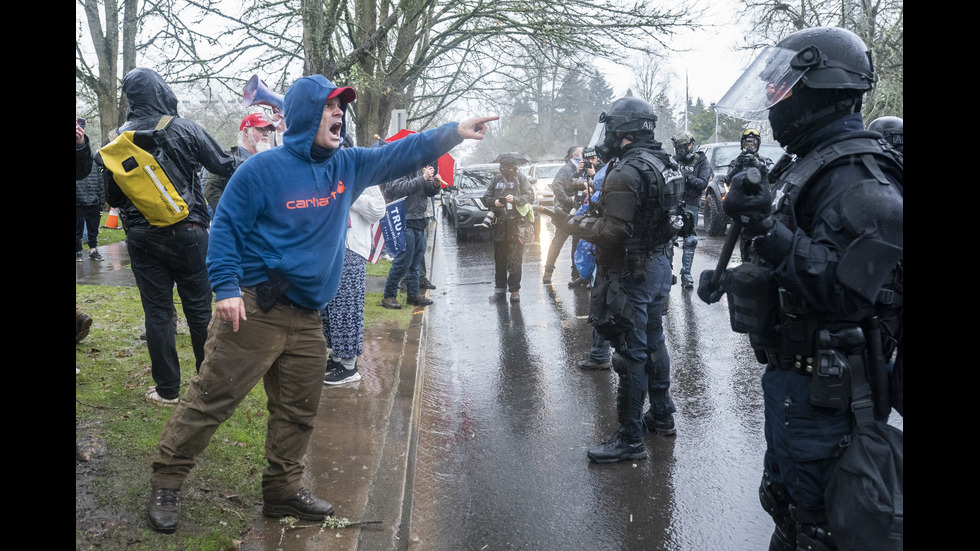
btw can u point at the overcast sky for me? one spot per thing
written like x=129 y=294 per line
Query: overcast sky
x=711 y=64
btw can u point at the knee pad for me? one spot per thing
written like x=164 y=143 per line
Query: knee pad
x=624 y=365
x=775 y=501
x=690 y=242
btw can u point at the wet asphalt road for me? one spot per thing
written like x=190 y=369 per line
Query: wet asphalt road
x=506 y=420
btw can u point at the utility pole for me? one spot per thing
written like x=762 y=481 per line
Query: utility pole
x=687 y=99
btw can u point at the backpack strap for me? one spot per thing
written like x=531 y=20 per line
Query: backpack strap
x=161 y=124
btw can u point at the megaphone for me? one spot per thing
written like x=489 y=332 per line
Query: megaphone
x=257 y=93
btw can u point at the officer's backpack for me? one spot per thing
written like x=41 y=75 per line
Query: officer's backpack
x=139 y=167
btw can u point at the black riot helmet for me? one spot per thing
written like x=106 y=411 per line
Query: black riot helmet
x=626 y=116
x=809 y=77
x=891 y=128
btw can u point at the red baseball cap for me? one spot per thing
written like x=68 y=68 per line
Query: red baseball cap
x=346 y=93
x=255 y=119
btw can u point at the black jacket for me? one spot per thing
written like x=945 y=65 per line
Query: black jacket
x=505 y=227
x=566 y=186
x=186 y=144
x=697 y=174
x=83 y=159
x=214 y=185
x=90 y=191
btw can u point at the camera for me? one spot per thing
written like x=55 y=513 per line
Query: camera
x=488 y=220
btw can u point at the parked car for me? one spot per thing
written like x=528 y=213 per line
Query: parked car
x=462 y=202
x=541 y=174
x=719 y=155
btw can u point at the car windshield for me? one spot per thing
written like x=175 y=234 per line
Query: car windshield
x=546 y=171
x=473 y=180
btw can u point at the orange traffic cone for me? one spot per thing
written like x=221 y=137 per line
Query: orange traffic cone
x=112 y=221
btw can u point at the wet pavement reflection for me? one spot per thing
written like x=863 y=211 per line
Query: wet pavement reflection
x=506 y=419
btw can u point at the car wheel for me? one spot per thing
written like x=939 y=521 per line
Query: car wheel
x=714 y=217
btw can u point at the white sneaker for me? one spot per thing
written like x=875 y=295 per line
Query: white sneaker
x=153 y=398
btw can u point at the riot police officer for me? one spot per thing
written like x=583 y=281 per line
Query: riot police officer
x=820 y=286
x=697 y=173
x=638 y=219
x=892 y=129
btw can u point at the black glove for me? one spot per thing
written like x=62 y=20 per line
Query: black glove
x=580 y=225
x=749 y=202
x=709 y=293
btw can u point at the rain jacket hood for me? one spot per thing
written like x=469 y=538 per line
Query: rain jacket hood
x=148 y=94
x=303 y=107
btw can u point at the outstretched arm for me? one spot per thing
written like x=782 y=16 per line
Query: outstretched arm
x=475 y=128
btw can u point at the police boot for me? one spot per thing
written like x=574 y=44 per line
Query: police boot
x=687 y=281
x=618 y=448
x=627 y=443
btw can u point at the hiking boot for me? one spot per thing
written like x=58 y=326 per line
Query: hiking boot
x=546 y=279
x=78 y=257
x=497 y=295
x=162 y=510
x=340 y=375
x=617 y=449
x=82 y=325
x=94 y=255
x=418 y=300
x=515 y=297
x=590 y=364
x=153 y=398
x=391 y=302
x=664 y=426
x=302 y=505
x=426 y=284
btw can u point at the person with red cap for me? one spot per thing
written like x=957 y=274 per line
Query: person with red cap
x=275 y=260
x=255 y=134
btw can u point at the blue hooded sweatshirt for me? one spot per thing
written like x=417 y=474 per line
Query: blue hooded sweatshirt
x=286 y=210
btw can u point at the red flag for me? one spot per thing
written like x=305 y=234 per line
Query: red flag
x=446 y=165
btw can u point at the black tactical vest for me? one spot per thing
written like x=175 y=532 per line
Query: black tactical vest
x=658 y=220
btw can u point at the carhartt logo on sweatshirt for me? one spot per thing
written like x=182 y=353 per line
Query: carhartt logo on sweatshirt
x=316 y=201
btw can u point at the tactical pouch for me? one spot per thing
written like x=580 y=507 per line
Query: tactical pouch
x=752 y=299
x=831 y=385
x=610 y=310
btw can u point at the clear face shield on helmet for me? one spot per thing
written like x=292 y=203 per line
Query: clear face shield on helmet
x=767 y=81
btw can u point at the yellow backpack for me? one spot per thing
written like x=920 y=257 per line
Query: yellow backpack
x=142 y=177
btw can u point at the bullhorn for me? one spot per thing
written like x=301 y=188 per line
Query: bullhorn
x=257 y=93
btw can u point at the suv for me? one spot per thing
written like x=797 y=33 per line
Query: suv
x=541 y=174
x=719 y=155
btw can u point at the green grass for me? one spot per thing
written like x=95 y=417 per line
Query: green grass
x=222 y=492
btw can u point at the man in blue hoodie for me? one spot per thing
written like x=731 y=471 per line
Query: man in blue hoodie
x=276 y=252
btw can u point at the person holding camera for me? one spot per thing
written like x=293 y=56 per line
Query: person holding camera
x=509 y=197
x=570 y=192
x=749 y=157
